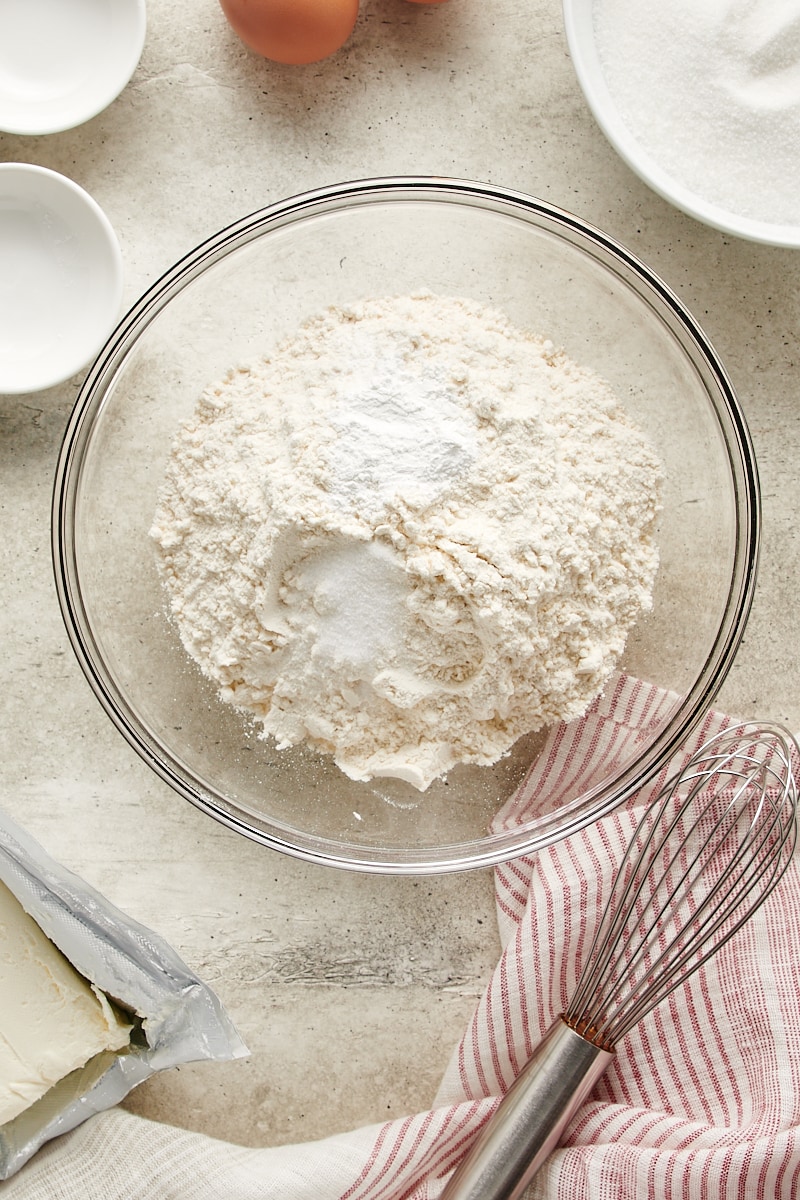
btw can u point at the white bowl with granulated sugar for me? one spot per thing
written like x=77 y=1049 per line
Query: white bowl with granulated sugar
x=702 y=101
x=375 y=494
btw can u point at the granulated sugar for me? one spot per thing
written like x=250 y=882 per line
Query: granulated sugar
x=409 y=536
x=711 y=91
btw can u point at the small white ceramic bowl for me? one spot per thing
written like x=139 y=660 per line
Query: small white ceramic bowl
x=579 y=29
x=60 y=278
x=64 y=61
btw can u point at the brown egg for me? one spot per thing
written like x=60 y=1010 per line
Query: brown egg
x=292 y=31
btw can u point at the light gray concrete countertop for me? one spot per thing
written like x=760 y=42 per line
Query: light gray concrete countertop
x=350 y=990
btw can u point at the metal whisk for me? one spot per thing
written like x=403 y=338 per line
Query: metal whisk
x=706 y=854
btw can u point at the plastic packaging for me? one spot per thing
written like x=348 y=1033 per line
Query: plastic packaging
x=178 y=1018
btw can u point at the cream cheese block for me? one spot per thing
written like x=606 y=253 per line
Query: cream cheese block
x=52 y=1020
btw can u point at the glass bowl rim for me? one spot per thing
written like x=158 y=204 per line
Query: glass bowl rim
x=503 y=845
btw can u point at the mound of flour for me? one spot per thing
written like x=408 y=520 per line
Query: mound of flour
x=407 y=537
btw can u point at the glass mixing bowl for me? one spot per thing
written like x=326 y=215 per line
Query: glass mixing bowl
x=232 y=299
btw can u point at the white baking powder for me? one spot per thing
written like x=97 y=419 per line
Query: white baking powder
x=410 y=535
x=711 y=91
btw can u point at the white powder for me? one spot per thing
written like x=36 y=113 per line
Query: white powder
x=711 y=90
x=409 y=536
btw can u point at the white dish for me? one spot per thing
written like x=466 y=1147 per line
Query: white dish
x=60 y=278
x=64 y=61
x=579 y=28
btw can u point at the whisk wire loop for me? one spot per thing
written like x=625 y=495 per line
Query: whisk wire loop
x=708 y=851
x=738 y=876
x=610 y=956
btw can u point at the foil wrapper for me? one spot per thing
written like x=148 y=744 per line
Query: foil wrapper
x=176 y=1017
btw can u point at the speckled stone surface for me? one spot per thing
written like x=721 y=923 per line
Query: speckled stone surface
x=350 y=990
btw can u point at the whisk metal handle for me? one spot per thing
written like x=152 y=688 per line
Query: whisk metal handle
x=531 y=1118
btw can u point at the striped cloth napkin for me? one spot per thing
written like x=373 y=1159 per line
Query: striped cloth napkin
x=702 y=1101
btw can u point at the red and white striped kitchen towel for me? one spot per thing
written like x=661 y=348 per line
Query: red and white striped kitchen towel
x=702 y=1101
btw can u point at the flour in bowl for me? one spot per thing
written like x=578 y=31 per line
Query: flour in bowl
x=410 y=535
